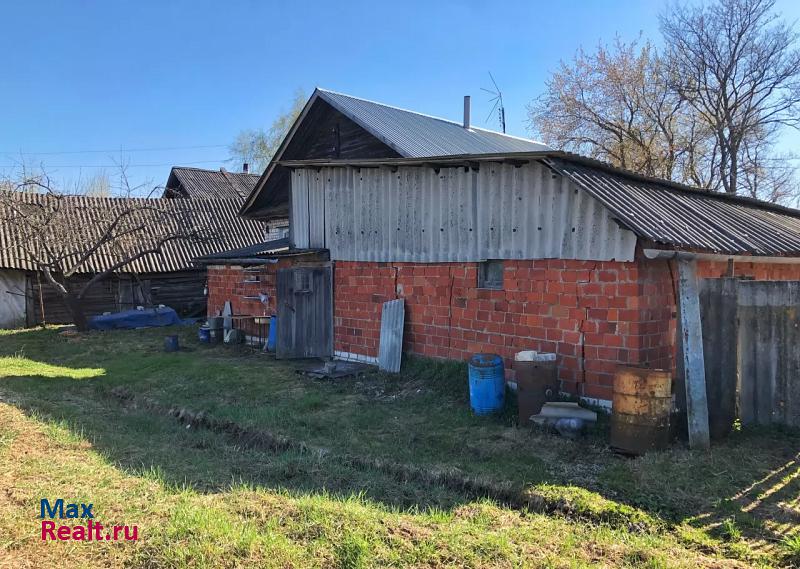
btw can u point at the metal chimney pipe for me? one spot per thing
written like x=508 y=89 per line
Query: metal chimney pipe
x=245 y=168
x=466 y=110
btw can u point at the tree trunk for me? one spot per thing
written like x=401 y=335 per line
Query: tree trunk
x=75 y=306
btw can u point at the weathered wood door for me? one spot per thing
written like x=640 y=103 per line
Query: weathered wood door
x=305 y=313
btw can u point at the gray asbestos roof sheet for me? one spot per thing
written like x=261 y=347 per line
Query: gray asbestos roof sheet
x=216 y=220
x=690 y=219
x=214 y=184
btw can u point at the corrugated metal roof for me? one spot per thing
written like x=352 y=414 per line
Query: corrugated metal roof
x=689 y=218
x=209 y=184
x=416 y=135
x=266 y=248
x=215 y=220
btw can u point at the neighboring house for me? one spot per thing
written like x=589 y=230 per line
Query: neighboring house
x=197 y=183
x=170 y=278
x=496 y=244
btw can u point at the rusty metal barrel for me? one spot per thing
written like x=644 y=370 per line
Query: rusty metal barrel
x=642 y=401
x=537 y=382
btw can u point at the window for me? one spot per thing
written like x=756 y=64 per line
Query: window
x=490 y=274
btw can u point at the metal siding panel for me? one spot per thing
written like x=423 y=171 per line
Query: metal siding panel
x=571 y=203
x=390 y=348
x=316 y=210
x=458 y=215
x=300 y=214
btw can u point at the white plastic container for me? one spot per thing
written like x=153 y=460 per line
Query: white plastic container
x=534 y=356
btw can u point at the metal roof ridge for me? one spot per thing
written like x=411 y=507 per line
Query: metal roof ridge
x=449 y=121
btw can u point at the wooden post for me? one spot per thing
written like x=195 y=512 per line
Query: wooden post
x=693 y=364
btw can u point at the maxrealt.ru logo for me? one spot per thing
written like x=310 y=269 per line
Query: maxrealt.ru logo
x=91 y=531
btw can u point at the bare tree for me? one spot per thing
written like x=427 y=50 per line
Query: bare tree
x=63 y=236
x=257 y=146
x=736 y=63
x=706 y=112
x=98 y=185
x=616 y=105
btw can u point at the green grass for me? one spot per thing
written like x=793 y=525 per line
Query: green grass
x=20 y=366
x=332 y=498
x=791 y=546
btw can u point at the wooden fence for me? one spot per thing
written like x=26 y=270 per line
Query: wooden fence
x=751 y=346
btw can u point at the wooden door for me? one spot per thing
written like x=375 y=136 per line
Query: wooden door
x=305 y=313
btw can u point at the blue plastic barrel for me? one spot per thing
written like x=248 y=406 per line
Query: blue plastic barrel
x=272 y=338
x=204 y=334
x=487 y=383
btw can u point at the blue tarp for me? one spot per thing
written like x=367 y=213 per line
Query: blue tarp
x=127 y=319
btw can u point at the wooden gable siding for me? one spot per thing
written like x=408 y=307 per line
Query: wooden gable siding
x=327 y=133
x=324 y=133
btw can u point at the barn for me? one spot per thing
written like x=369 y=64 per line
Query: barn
x=502 y=250
x=170 y=278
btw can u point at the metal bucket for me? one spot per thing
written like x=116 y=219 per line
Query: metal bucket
x=171 y=343
x=215 y=335
x=642 y=400
x=487 y=383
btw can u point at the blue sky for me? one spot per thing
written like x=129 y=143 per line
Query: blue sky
x=169 y=75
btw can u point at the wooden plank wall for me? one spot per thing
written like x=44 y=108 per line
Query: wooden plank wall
x=769 y=352
x=183 y=291
x=718 y=315
x=751 y=338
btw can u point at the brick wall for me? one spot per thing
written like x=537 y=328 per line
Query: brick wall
x=229 y=282
x=595 y=315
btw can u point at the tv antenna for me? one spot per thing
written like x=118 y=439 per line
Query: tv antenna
x=498 y=103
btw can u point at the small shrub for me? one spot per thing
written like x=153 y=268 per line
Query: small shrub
x=729 y=531
x=791 y=548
